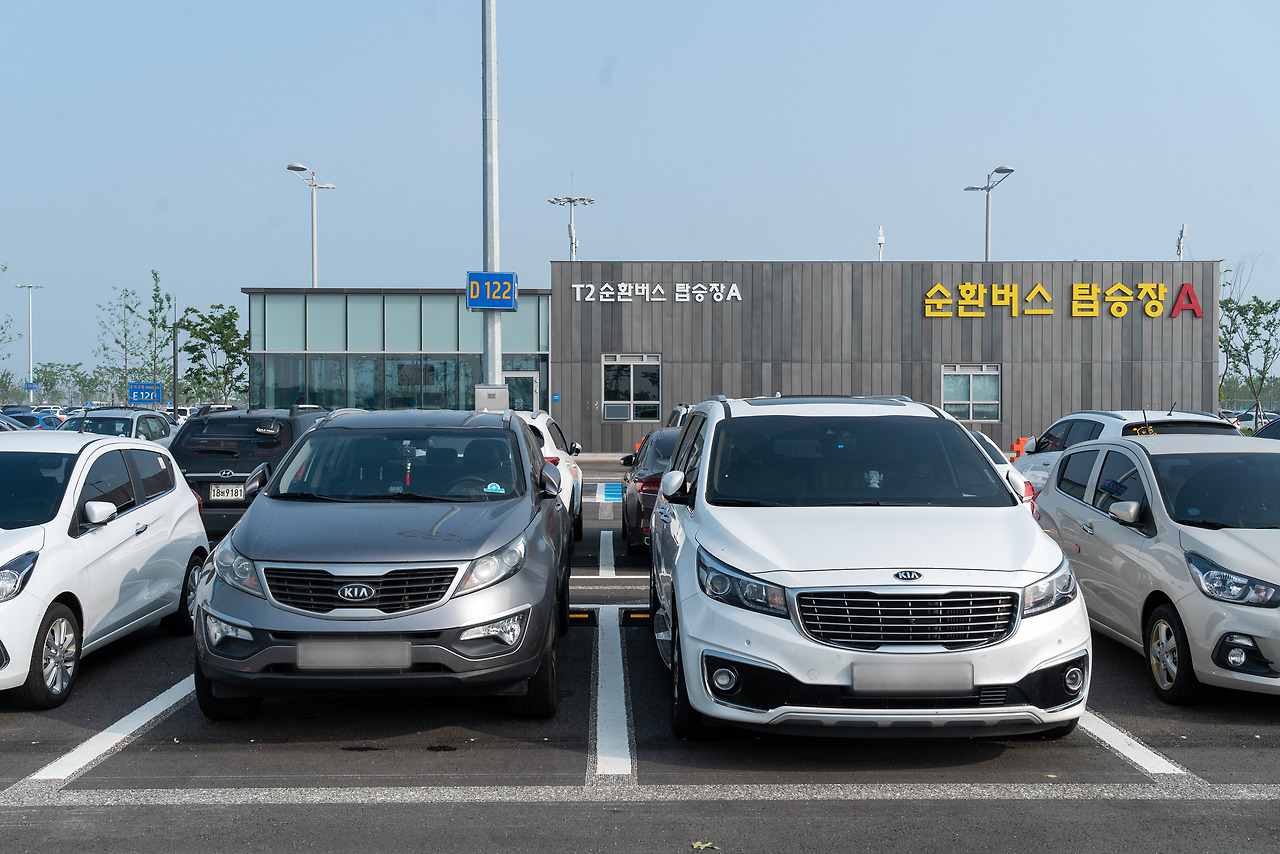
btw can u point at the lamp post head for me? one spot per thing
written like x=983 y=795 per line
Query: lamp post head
x=297 y=167
x=325 y=187
x=1003 y=170
x=974 y=187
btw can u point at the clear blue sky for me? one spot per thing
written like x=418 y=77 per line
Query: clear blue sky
x=154 y=135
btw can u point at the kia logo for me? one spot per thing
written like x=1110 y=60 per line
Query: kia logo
x=226 y=473
x=907 y=575
x=356 y=592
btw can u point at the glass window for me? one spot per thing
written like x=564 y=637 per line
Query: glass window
x=470 y=329
x=440 y=318
x=284 y=384
x=327 y=381
x=404 y=382
x=1073 y=477
x=1118 y=480
x=364 y=322
x=108 y=480
x=402 y=319
x=286 y=322
x=326 y=322
x=154 y=470
x=32 y=487
x=1054 y=439
x=971 y=392
x=257 y=321
x=632 y=387
x=1082 y=430
x=365 y=375
x=520 y=328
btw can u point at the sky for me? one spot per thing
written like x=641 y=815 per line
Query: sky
x=139 y=136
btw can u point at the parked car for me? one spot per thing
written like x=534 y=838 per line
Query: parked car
x=1176 y=544
x=418 y=551
x=676 y=417
x=1003 y=466
x=1271 y=431
x=1044 y=450
x=99 y=536
x=38 y=420
x=644 y=471
x=8 y=424
x=560 y=453
x=1252 y=420
x=218 y=450
x=132 y=422
x=849 y=565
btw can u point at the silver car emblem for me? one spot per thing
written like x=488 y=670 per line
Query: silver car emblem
x=226 y=473
x=356 y=592
x=907 y=575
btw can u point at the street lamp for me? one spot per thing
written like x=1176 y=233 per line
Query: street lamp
x=572 y=201
x=310 y=180
x=1003 y=172
x=31 y=361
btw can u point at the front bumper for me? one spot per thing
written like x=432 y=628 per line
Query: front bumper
x=19 y=622
x=1213 y=629
x=784 y=680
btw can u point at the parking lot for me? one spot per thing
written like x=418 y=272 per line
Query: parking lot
x=606 y=771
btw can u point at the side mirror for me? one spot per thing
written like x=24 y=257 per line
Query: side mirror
x=673 y=488
x=1126 y=512
x=629 y=460
x=1032 y=444
x=99 y=512
x=574 y=449
x=1021 y=486
x=550 y=481
x=257 y=480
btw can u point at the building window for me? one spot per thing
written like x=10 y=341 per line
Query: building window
x=971 y=392
x=632 y=387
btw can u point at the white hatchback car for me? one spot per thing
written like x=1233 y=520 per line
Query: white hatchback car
x=1176 y=544
x=99 y=536
x=560 y=453
x=857 y=565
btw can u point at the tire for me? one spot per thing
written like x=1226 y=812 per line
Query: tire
x=577 y=524
x=222 y=708
x=1169 y=657
x=181 y=622
x=562 y=606
x=686 y=721
x=55 y=661
x=1060 y=731
x=544 y=690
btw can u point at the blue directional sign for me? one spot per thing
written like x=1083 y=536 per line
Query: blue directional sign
x=31 y=386
x=491 y=291
x=145 y=392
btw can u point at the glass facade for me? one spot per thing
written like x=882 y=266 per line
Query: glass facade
x=375 y=350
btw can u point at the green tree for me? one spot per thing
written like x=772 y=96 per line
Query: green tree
x=120 y=340
x=157 y=331
x=217 y=350
x=7 y=335
x=1250 y=342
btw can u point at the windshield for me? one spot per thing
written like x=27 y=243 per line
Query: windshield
x=1168 y=428
x=234 y=438
x=32 y=488
x=422 y=464
x=1220 y=490
x=781 y=460
x=106 y=425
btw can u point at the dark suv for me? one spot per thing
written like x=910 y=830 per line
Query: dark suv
x=415 y=551
x=218 y=450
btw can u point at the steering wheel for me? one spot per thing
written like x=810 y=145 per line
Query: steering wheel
x=470 y=486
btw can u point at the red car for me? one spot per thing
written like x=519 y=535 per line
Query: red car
x=645 y=469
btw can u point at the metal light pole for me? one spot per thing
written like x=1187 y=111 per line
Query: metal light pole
x=310 y=180
x=492 y=357
x=31 y=361
x=880 y=242
x=1182 y=238
x=1003 y=172
x=572 y=202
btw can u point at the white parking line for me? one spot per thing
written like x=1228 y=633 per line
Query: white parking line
x=613 y=737
x=606 y=554
x=114 y=736
x=1127 y=746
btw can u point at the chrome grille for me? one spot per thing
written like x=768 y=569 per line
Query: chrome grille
x=860 y=619
x=316 y=590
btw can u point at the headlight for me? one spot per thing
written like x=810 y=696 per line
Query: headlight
x=1052 y=591
x=236 y=569
x=493 y=567
x=14 y=575
x=725 y=584
x=1227 y=586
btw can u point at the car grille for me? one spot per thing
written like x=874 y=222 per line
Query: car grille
x=858 y=619
x=316 y=590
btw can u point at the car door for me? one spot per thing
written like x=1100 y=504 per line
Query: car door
x=1064 y=512
x=166 y=554
x=116 y=551
x=675 y=524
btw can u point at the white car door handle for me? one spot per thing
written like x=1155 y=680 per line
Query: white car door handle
x=139 y=530
x=666 y=517
x=1087 y=527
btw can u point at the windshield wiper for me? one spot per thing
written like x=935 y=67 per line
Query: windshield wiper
x=855 y=504
x=396 y=496
x=1204 y=523
x=304 y=496
x=744 y=502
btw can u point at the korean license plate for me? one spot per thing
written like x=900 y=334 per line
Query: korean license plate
x=913 y=678
x=226 y=492
x=353 y=655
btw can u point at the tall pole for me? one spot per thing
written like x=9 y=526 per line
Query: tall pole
x=489 y=61
x=315 y=282
x=988 y=258
x=992 y=183
x=175 y=360
x=31 y=351
x=572 y=202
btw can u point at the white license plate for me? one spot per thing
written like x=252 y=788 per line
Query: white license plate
x=913 y=678
x=353 y=655
x=226 y=492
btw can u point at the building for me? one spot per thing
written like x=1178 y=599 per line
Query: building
x=611 y=347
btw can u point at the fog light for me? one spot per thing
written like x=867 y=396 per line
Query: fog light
x=1073 y=679
x=1235 y=656
x=508 y=630
x=217 y=631
x=1240 y=640
x=725 y=679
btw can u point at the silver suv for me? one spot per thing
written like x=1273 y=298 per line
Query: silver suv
x=126 y=421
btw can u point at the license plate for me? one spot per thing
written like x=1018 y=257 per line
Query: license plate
x=353 y=655
x=913 y=678
x=226 y=492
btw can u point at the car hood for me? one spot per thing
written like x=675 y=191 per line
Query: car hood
x=1248 y=551
x=378 y=532
x=20 y=541
x=814 y=539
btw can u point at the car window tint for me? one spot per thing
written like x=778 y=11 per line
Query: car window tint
x=692 y=456
x=154 y=470
x=32 y=487
x=557 y=436
x=1271 y=431
x=1073 y=476
x=1118 y=480
x=1052 y=440
x=1082 y=430
x=108 y=480
x=1164 y=428
x=1231 y=490
x=686 y=440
